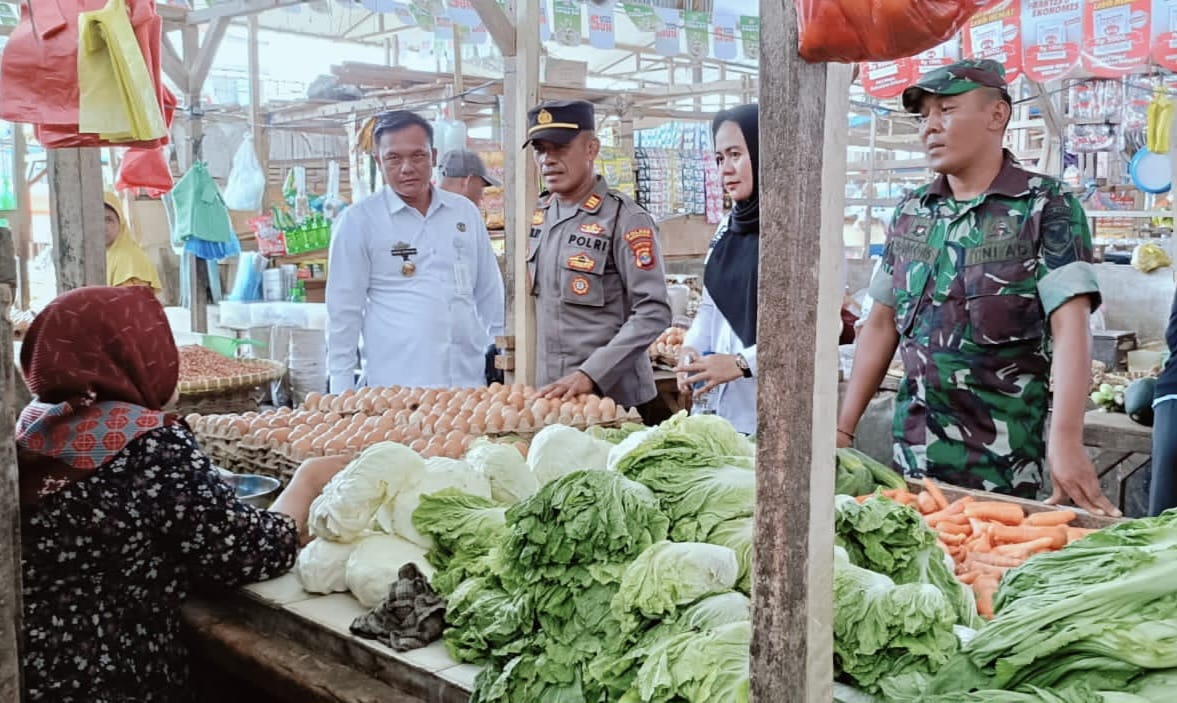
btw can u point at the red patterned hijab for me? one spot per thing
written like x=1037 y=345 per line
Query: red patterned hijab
x=101 y=363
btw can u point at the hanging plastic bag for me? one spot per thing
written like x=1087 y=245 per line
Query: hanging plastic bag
x=117 y=98
x=333 y=203
x=247 y=182
x=1149 y=257
x=145 y=170
x=849 y=30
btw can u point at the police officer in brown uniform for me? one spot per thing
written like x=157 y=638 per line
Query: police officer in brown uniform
x=595 y=268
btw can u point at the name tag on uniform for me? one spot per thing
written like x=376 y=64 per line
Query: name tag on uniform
x=588 y=242
x=913 y=250
x=581 y=262
x=987 y=253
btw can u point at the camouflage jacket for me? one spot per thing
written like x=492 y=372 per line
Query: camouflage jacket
x=973 y=285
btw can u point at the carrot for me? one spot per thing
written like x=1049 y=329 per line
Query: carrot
x=959 y=519
x=1024 y=550
x=953 y=529
x=981 y=568
x=1075 y=533
x=952 y=539
x=956 y=507
x=937 y=494
x=1050 y=518
x=996 y=511
x=1014 y=535
x=994 y=559
x=968 y=577
x=926 y=503
x=985 y=588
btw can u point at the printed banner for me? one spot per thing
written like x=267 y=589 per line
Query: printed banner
x=642 y=16
x=666 y=39
x=463 y=14
x=380 y=6
x=404 y=14
x=1052 y=31
x=601 y=34
x=995 y=33
x=724 y=38
x=566 y=22
x=938 y=56
x=887 y=79
x=476 y=35
x=1115 y=36
x=750 y=37
x=1164 y=34
x=443 y=30
x=698 y=26
x=423 y=19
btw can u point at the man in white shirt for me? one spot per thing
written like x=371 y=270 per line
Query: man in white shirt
x=412 y=273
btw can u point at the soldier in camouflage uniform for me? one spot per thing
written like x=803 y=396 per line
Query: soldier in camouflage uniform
x=976 y=265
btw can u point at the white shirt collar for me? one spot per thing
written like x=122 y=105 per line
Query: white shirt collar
x=438 y=199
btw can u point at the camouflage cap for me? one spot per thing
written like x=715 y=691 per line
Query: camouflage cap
x=955 y=79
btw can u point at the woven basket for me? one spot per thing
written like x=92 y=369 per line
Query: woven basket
x=273 y=371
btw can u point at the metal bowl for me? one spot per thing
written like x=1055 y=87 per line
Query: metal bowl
x=258 y=491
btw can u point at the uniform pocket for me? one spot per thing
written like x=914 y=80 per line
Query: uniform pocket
x=1003 y=303
x=582 y=287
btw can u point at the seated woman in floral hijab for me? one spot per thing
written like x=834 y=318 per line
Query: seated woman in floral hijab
x=122 y=514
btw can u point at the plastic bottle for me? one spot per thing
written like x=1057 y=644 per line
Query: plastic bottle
x=705 y=404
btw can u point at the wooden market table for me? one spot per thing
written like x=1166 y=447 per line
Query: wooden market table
x=296 y=646
x=1122 y=453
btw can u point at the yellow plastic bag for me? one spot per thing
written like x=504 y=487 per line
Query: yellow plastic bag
x=1149 y=257
x=116 y=97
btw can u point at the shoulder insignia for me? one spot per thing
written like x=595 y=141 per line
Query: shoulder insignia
x=537 y=218
x=641 y=244
x=593 y=202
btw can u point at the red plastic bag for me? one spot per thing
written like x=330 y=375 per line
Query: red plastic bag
x=62 y=136
x=146 y=170
x=848 y=31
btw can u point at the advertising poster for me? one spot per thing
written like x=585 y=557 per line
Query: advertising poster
x=995 y=33
x=887 y=79
x=666 y=39
x=750 y=36
x=567 y=22
x=463 y=14
x=1115 y=36
x=601 y=34
x=642 y=16
x=938 y=56
x=725 y=37
x=698 y=26
x=1052 y=32
x=1164 y=34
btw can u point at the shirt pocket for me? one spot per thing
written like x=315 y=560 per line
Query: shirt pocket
x=582 y=277
x=1003 y=303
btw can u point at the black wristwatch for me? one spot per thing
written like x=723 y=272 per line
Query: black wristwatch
x=742 y=365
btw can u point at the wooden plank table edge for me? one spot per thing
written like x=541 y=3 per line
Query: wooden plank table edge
x=224 y=627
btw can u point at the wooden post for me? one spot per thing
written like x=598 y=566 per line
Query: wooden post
x=803 y=137
x=23 y=222
x=261 y=136
x=75 y=204
x=11 y=688
x=521 y=86
x=197 y=268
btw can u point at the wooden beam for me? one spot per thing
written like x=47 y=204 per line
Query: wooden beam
x=172 y=64
x=237 y=8
x=802 y=142
x=75 y=209
x=203 y=62
x=24 y=214
x=197 y=268
x=500 y=27
x=11 y=687
x=521 y=85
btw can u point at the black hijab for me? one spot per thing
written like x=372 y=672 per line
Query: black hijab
x=732 y=272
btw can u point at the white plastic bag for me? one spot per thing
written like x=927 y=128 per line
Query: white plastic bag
x=247 y=181
x=333 y=203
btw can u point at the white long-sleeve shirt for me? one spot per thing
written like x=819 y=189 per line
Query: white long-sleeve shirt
x=430 y=329
x=711 y=332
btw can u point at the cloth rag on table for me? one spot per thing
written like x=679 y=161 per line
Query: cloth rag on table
x=411 y=617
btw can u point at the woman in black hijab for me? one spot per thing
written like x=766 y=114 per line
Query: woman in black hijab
x=720 y=349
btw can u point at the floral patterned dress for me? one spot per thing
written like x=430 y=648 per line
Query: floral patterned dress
x=108 y=559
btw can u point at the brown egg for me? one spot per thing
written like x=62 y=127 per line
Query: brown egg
x=393 y=436
x=372 y=437
x=608 y=406
x=418 y=445
x=336 y=445
x=327 y=403
x=320 y=441
x=380 y=405
x=366 y=404
x=462 y=424
x=510 y=418
x=402 y=416
x=516 y=401
x=372 y=422
x=396 y=403
x=249 y=415
x=302 y=447
x=539 y=407
x=279 y=436
x=417 y=418
x=285 y=410
x=312 y=399
x=495 y=387
x=476 y=428
x=336 y=405
x=552 y=418
x=453 y=449
x=358 y=419
x=332 y=418
x=443 y=425
x=355 y=441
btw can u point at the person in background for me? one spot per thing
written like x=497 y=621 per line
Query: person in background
x=1162 y=492
x=464 y=173
x=719 y=350
x=413 y=274
x=122 y=515
x=986 y=286
x=594 y=265
x=126 y=262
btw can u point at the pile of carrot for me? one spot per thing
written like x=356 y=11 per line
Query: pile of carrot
x=987 y=538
